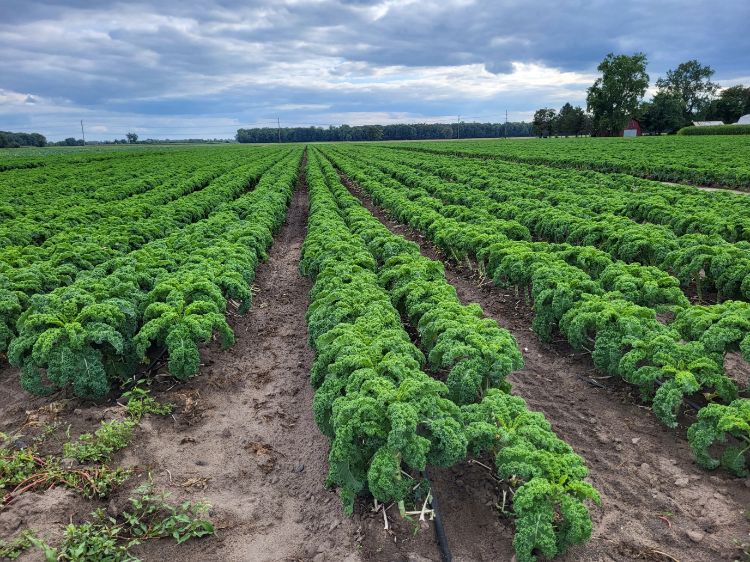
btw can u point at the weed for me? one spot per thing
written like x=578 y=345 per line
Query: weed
x=150 y=516
x=11 y=550
x=24 y=471
x=16 y=466
x=99 y=447
x=140 y=402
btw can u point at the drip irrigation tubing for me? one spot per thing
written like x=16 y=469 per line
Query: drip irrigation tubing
x=442 y=538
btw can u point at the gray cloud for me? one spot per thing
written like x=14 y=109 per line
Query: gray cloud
x=126 y=65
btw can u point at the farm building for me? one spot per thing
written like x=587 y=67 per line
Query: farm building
x=632 y=129
x=707 y=123
x=744 y=120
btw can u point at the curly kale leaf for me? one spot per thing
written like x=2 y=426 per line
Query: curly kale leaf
x=718 y=424
x=63 y=340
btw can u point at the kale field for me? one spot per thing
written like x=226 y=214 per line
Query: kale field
x=469 y=350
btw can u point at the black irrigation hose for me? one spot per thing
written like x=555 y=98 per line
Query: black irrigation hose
x=157 y=359
x=445 y=550
x=594 y=382
x=687 y=401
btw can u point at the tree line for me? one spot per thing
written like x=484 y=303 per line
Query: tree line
x=685 y=94
x=130 y=138
x=17 y=140
x=413 y=131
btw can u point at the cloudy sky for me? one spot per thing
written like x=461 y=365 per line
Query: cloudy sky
x=177 y=68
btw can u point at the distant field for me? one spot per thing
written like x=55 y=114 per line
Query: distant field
x=520 y=328
x=721 y=161
x=31 y=157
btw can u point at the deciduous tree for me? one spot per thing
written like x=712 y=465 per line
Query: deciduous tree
x=615 y=96
x=731 y=104
x=571 y=121
x=691 y=83
x=543 y=121
x=663 y=114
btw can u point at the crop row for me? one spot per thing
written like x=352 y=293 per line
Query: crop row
x=714 y=160
x=645 y=286
x=38 y=206
x=171 y=292
x=706 y=262
x=384 y=414
x=115 y=226
x=35 y=270
x=609 y=314
x=66 y=181
x=715 y=130
x=684 y=209
x=720 y=328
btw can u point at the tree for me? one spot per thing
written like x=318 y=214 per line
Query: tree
x=543 y=122
x=415 y=131
x=17 y=140
x=565 y=123
x=663 y=114
x=731 y=104
x=614 y=97
x=132 y=138
x=584 y=122
x=37 y=139
x=571 y=121
x=691 y=83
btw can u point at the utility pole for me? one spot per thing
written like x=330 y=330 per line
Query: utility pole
x=506 y=125
x=82 y=133
x=278 y=124
x=459 y=127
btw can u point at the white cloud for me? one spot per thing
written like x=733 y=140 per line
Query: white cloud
x=302 y=106
x=745 y=80
x=160 y=67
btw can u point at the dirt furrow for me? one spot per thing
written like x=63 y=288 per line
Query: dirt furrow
x=657 y=503
x=242 y=437
x=253 y=442
x=707 y=188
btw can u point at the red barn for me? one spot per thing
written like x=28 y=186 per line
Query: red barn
x=632 y=129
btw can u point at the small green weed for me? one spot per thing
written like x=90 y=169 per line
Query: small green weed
x=140 y=402
x=150 y=516
x=12 y=549
x=108 y=439
x=23 y=470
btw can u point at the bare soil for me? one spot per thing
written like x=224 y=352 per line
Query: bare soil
x=657 y=504
x=707 y=188
x=253 y=442
x=244 y=439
